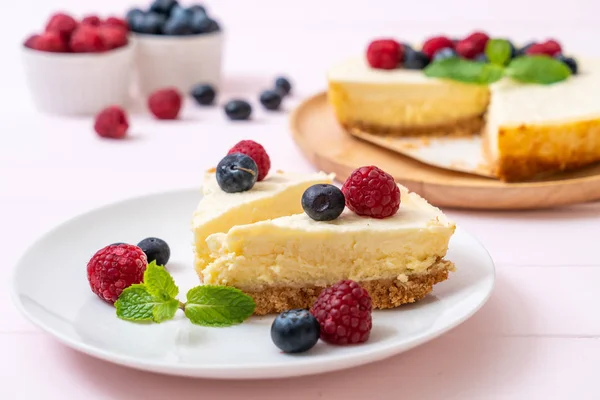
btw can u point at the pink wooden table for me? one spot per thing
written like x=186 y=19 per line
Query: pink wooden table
x=537 y=338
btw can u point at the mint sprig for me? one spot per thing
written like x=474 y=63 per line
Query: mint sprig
x=156 y=300
x=527 y=69
x=218 y=306
x=498 y=51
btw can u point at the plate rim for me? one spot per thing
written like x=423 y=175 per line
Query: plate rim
x=302 y=367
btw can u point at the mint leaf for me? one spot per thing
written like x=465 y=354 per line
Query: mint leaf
x=218 y=306
x=498 y=51
x=464 y=71
x=135 y=304
x=159 y=282
x=538 y=69
x=165 y=311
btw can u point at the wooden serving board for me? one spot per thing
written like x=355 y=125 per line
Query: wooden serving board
x=329 y=147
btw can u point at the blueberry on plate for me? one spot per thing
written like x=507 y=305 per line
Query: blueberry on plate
x=270 y=99
x=283 y=86
x=414 y=59
x=201 y=23
x=156 y=250
x=295 y=331
x=444 y=53
x=570 y=62
x=203 y=94
x=238 y=110
x=163 y=7
x=323 y=202
x=236 y=172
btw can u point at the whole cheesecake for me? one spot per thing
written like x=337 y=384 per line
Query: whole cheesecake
x=529 y=130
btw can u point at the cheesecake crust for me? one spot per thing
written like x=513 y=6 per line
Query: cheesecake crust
x=385 y=293
x=460 y=128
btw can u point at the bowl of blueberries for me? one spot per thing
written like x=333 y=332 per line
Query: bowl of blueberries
x=176 y=46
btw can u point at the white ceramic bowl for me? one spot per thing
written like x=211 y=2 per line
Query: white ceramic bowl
x=178 y=61
x=79 y=84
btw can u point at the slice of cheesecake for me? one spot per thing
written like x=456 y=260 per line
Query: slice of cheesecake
x=285 y=262
x=276 y=196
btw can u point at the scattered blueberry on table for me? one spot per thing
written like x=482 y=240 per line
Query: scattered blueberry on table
x=238 y=110
x=204 y=94
x=283 y=86
x=270 y=99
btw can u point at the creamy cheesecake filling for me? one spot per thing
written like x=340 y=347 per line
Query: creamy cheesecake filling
x=278 y=195
x=296 y=251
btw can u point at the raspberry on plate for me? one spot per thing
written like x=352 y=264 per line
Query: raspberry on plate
x=51 y=41
x=344 y=313
x=434 y=44
x=385 y=54
x=113 y=36
x=114 y=268
x=371 y=192
x=62 y=23
x=87 y=39
x=256 y=152
x=111 y=123
x=165 y=103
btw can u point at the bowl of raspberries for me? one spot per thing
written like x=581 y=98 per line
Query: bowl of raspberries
x=79 y=66
x=176 y=46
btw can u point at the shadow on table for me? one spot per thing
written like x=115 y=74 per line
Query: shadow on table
x=472 y=361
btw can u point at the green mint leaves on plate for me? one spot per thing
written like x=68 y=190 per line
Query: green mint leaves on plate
x=155 y=300
x=538 y=69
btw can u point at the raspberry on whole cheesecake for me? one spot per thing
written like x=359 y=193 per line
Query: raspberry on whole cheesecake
x=553 y=48
x=371 y=192
x=467 y=49
x=256 y=152
x=114 y=268
x=435 y=44
x=87 y=39
x=478 y=40
x=344 y=313
x=62 y=23
x=52 y=42
x=111 y=123
x=165 y=103
x=385 y=54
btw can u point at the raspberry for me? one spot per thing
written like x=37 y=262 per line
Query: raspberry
x=479 y=41
x=62 y=23
x=92 y=20
x=384 y=53
x=31 y=42
x=87 y=39
x=114 y=268
x=111 y=123
x=51 y=41
x=114 y=21
x=165 y=103
x=371 y=192
x=434 y=44
x=256 y=152
x=344 y=313
x=552 y=47
x=467 y=49
x=113 y=36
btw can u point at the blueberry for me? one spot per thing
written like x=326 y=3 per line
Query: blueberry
x=513 y=49
x=152 y=23
x=197 y=8
x=283 y=86
x=481 y=57
x=156 y=250
x=415 y=59
x=523 y=50
x=180 y=12
x=238 y=110
x=236 y=173
x=133 y=13
x=201 y=23
x=178 y=25
x=444 y=53
x=570 y=62
x=163 y=7
x=295 y=331
x=270 y=99
x=323 y=202
x=203 y=94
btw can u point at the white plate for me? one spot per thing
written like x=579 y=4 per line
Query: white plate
x=50 y=287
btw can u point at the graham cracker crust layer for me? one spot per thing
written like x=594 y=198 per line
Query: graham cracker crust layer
x=385 y=293
x=465 y=127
